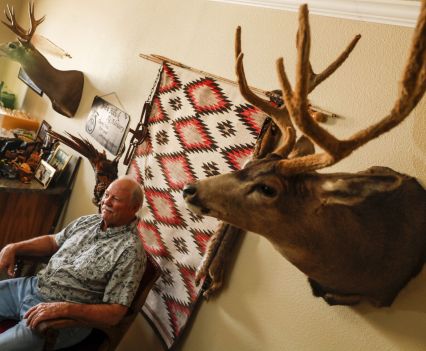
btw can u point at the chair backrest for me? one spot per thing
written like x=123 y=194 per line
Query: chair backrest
x=151 y=274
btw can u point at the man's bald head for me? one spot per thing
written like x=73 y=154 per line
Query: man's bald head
x=121 y=201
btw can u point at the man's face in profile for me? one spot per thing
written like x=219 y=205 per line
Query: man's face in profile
x=117 y=205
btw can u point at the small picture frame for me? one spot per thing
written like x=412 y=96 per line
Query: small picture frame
x=22 y=75
x=59 y=159
x=44 y=173
x=42 y=131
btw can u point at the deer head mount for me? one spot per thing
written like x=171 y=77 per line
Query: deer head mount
x=106 y=171
x=355 y=236
x=64 y=88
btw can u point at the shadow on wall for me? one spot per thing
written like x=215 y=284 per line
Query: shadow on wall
x=403 y=324
x=406 y=318
x=89 y=92
x=419 y=139
x=419 y=165
x=35 y=105
x=419 y=130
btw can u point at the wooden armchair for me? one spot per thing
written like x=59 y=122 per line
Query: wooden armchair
x=102 y=338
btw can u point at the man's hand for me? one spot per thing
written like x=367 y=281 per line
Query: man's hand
x=44 y=245
x=46 y=311
x=99 y=314
x=7 y=259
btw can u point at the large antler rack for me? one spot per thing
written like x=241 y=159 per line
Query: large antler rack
x=24 y=36
x=280 y=115
x=296 y=108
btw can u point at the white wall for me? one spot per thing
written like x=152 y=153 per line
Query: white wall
x=267 y=304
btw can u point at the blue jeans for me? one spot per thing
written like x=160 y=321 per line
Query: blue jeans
x=17 y=296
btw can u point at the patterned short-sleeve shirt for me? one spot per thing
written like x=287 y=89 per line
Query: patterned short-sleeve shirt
x=92 y=265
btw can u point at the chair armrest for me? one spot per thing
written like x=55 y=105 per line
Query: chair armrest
x=49 y=330
x=60 y=323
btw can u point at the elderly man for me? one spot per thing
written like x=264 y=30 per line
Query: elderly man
x=93 y=275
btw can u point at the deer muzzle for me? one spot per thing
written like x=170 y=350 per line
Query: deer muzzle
x=193 y=202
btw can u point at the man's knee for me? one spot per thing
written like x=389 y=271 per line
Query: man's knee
x=20 y=338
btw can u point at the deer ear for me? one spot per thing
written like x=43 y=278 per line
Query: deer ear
x=357 y=188
x=303 y=147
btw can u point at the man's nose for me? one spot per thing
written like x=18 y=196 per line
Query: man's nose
x=106 y=200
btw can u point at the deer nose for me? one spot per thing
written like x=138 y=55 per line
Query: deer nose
x=189 y=190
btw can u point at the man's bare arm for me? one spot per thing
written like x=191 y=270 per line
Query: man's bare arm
x=40 y=246
x=101 y=314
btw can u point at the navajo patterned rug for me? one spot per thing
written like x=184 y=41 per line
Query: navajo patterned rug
x=198 y=127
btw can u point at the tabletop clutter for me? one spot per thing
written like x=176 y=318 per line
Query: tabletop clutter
x=21 y=148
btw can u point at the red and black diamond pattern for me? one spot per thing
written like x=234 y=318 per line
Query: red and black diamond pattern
x=198 y=127
x=177 y=169
x=194 y=135
x=206 y=96
x=169 y=80
x=252 y=118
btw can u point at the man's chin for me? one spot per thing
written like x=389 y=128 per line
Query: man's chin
x=106 y=216
x=106 y=222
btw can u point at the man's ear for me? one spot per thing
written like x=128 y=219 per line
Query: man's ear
x=138 y=206
x=355 y=189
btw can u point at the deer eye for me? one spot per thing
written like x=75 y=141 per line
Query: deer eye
x=266 y=190
x=12 y=46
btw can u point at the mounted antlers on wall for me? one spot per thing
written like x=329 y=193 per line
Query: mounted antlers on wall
x=64 y=88
x=355 y=236
x=106 y=171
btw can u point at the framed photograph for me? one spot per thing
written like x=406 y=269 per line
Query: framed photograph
x=22 y=75
x=44 y=173
x=42 y=131
x=59 y=159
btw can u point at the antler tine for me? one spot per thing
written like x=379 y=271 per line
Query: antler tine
x=413 y=87
x=303 y=67
x=13 y=25
x=245 y=90
x=278 y=114
x=317 y=79
x=303 y=39
x=307 y=80
x=34 y=22
x=23 y=35
x=238 y=49
x=297 y=102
